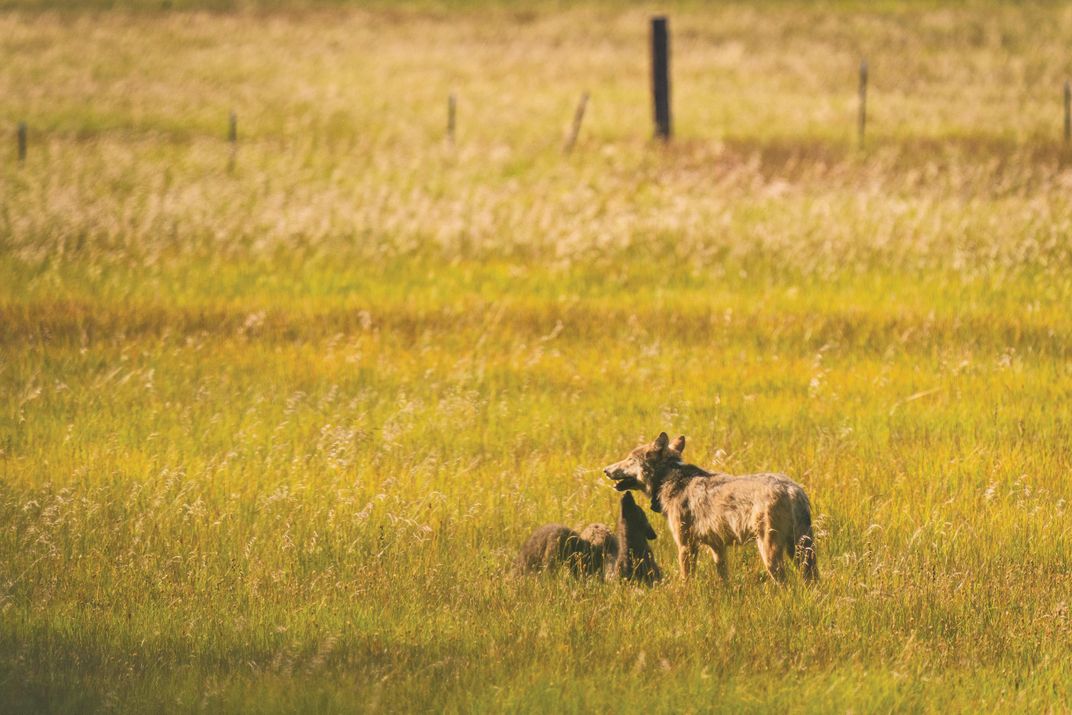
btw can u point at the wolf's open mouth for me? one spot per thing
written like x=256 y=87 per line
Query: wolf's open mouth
x=627 y=483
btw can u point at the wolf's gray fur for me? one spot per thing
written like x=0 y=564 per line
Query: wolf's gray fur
x=555 y=545
x=719 y=510
x=604 y=546
x=596 y=550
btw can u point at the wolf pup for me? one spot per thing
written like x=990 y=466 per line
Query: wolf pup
x=635 y=560
x=718 y=510
x=604 y=545
x=554 y=545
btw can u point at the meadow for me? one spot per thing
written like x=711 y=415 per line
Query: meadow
x=274 y=423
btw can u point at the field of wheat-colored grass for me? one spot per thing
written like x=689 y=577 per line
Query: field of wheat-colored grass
x=273 y=424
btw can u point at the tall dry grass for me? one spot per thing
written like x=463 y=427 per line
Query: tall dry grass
x=271 y=435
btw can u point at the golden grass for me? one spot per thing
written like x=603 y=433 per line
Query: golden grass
x=271 y=435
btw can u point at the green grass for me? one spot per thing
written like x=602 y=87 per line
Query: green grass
x=271 y=434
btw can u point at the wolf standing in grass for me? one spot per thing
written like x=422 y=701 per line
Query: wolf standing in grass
x=717 y=510
x=635 y=560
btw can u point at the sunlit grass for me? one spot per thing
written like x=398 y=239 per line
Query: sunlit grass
x=271 y=434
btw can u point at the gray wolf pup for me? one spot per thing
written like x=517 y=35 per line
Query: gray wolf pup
x=554 y=545
x=596 y=550
x=604 y=545
x=718 y=510
x=635 y=560
x=625 y=553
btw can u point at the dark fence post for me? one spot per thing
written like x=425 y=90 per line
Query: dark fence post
x=232 y=138
x=578 y=117
x=21 y=134
x=1068 y=112
x=660 y=76
x=452 y=109
x=863 y=101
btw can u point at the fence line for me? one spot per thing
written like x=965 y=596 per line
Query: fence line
x=660 y=77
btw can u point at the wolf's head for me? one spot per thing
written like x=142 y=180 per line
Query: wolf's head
x=636 y=521
x=645 y=467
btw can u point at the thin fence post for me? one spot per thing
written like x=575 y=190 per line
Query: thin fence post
x=863 y=101
x=232 y=138
x=660 y=76
x=452 y=112
x=21 y=134
x=1068 y=111
x=578 y=117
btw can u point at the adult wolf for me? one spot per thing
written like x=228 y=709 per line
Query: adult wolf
x=717 y=510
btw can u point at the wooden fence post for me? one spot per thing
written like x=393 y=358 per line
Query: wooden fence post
x=578 y=117
x=1068 y=111
x=660 y=76
x=232 y=139
x=863 y=101
x=452 y=110
x=21 y=134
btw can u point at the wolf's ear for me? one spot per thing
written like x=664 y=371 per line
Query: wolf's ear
x=679 y=444
x=651 y=533
x=661 y=441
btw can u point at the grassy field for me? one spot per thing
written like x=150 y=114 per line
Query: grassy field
x=272 y=433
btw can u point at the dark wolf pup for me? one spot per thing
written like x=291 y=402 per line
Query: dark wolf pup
x=596 y=550
x=625 y=552
x=604 y=545
x=718 y=510
x=635 y=560
x=555 y=545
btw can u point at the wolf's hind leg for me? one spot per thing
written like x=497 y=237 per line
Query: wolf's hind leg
x=773 y=554
x=718 y=555
x=686 y=560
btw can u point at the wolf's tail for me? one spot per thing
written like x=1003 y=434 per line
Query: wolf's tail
x=805 y=555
